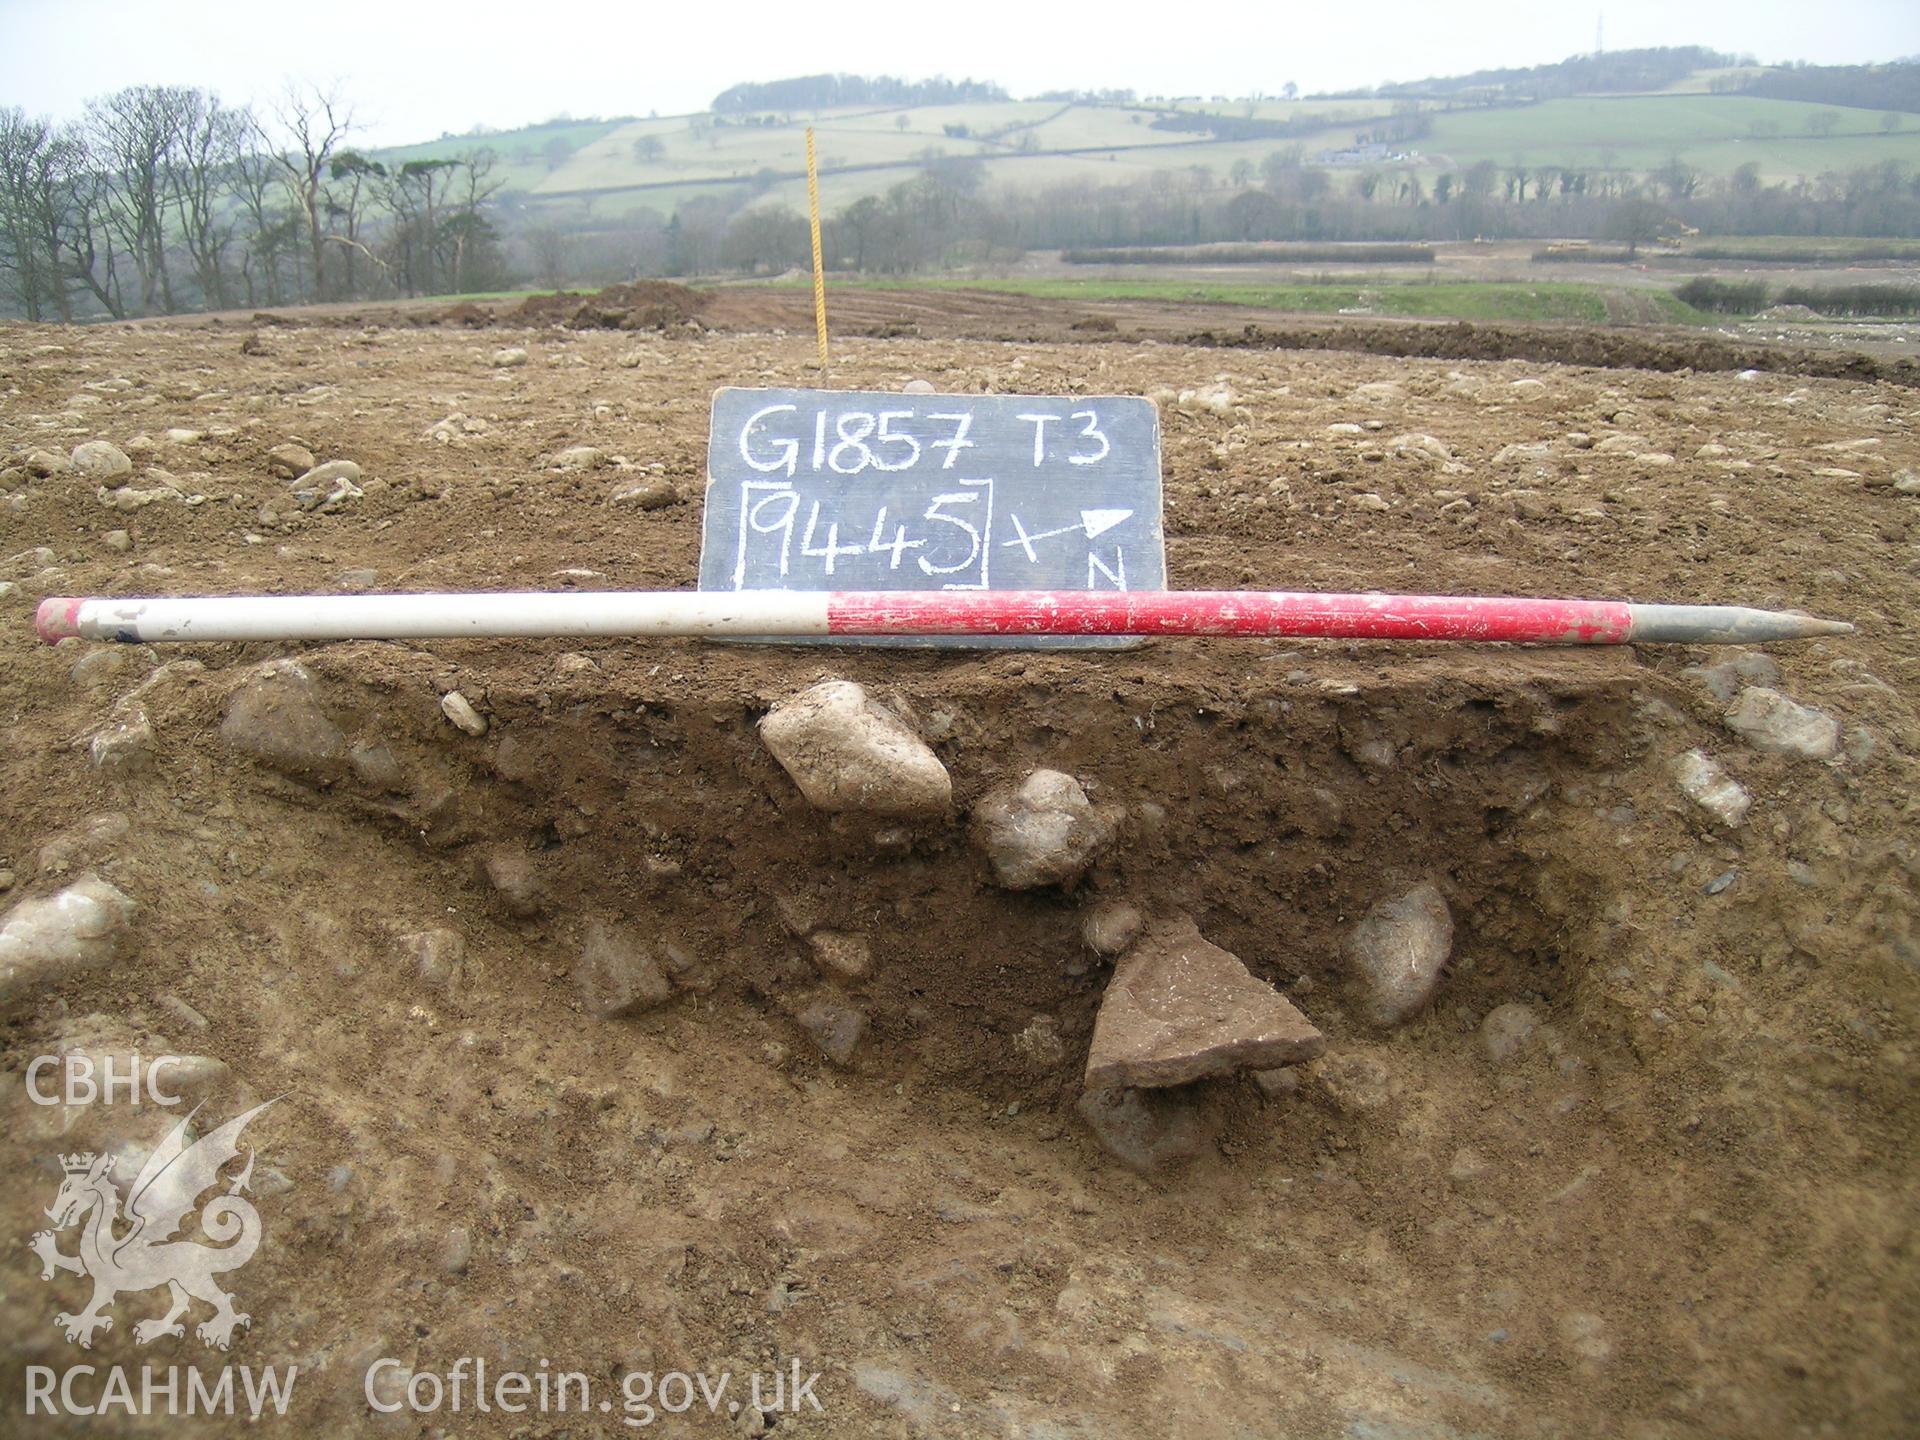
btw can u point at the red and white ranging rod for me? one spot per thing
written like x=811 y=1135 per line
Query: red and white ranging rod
x=858 y=614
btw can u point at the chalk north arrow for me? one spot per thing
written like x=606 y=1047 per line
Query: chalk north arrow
x=1092 y=523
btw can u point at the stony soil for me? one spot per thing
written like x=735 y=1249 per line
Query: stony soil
x=1673 y=1197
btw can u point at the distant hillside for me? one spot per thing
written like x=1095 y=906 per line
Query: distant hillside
x=1587 y=125
x=593 y=173
x=1641 y=134
x=822 y=92
x=1616 y=72
x=1869 y=87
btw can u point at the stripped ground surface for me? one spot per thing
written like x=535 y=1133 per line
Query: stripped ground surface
x=973 y=310
x=1683 y=1208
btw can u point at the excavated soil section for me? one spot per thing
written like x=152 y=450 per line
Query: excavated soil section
x=1634 y=343
x=1683 y=1206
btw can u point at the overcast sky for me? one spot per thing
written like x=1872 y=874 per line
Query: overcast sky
x=413 y=71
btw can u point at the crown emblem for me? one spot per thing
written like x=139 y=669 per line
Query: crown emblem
x=77 y=1164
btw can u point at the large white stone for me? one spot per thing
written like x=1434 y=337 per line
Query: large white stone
x=1044 y=831
x=44 y=941
x=1398 y=949
x=847 y=753
x=1768 y=720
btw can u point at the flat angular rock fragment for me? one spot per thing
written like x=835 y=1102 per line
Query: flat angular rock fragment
x=1768 y=720
x=618 y=974
x=276 y=718
x=840 y=954
x=1180 y=1009
x=833 y=1025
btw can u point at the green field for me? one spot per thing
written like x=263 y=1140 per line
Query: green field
x=521 y=159
x=1714 y=133
x=655 y=164
x=1486 y=302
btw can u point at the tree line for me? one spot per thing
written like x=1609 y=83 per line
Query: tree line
x=162 y=198
x=821 y=92
x=1602 y=72
x=948 y=215
x=1892 y=88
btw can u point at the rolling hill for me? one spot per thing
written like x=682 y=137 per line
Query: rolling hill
x=598 y=171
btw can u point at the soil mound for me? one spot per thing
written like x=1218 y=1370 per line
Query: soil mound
x=1562 y=345
x=643 y=305
x=468 y=314
x=1789 y=312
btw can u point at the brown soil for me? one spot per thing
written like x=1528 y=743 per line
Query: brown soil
x=1685 y=1209
x=1631 y=343
x=986 y=315
x=644 y=305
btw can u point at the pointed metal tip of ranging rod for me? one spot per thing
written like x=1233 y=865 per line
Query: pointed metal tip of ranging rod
x=1725 y=625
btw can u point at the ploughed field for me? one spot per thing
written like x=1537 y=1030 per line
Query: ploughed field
x=601 y=1042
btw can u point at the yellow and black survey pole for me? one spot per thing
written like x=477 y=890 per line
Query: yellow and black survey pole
x=819 y=264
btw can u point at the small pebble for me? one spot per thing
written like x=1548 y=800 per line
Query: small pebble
x=1111 y=926
x=458 y=1250
x=457 y=708
x=101 y=460
x=1506 y=1031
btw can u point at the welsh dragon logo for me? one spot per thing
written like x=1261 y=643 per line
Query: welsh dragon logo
x=136 y=1250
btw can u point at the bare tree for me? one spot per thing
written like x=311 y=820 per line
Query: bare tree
x=78 y=226
x=552 y=252
x=417 y=195
x=272 y=224
x=201 y=174
x=51 y=219
x=471 y=235
x=316 y=122
x=355 y=188
x=1679 y=179
x=1635 y=220
x=29 y=264
x=768 y=238
x=131 y=134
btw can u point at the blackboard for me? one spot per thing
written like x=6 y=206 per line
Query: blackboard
x=868 y=490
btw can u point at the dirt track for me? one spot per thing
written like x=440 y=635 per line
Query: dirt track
x=1683 y=1209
